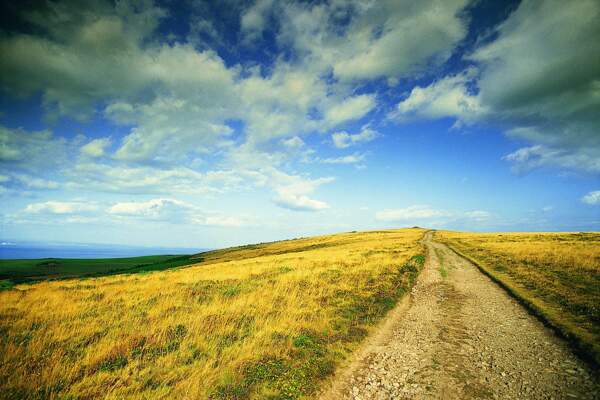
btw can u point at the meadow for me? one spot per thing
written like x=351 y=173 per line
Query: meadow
x=31 y=270
x=268 y=321
x=557 y=275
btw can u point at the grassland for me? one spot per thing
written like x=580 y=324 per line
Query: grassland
x=556 y=274
x=269 y=321
x=20 y=271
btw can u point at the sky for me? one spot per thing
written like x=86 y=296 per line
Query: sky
x=215 y=123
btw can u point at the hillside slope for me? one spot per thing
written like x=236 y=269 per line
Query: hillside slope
x=264 y=321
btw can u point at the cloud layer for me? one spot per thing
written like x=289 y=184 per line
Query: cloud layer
x=283 y=103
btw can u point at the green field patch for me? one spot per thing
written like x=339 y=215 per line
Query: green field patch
x=32 y=270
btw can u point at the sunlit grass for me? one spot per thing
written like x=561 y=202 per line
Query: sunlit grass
x=265 y=321
x=557 y=274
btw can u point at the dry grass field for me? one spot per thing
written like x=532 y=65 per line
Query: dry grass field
x=268 y=321
x=556 y=274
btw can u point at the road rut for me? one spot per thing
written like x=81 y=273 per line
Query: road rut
x=463 y=337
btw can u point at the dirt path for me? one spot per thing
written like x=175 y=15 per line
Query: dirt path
x=461 y=337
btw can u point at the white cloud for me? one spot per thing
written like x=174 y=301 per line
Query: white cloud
x=592 y=198
x=150 y=179
x=35 y=183
x=293 y=192
x=411 y=35
x=183 y=113
x=157 y=210
x=349 y=159
x=61 y=207
x=31 y=149
x=299 y=202
x=174 y=211
x=447 y=97
x=96 y=147
x=509 y=86
x=541 y=78
x=528 y=158
x=516 y=66
x=70 y=64
x=149 y=209
x=417 y=212
x=350 y=109
x=377 y=39
x=254 y=19
x=343 y=139
x=478 y=215
x=293 y=143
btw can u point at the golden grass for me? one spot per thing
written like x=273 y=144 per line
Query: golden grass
x=265 y=321
x=556 y=274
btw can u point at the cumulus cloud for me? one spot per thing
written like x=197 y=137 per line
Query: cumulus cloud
x=157 y=210
x=149 y=179
x=293 y=192
x=297 y=202
x=447 y=97
x=96 y=147
x=528 y=158
x=411 y=35
x=592 y=198
x=349 y=159
x=509 y=86
x=96 y=53
x=149 y=209
x=293 y=143
x=173 y=211
x=176 y=99
x=254 y=19
x=343 y=139
x=33 y=182
x=280 y=105
x=378 y=39
x=558 y=114
x=61 y=207
x=516 y=66
x=352 y=108
x=31 y=149
x=70 y=65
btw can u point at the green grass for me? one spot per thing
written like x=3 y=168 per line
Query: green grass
x=312 y=359
x=31 y=270
x=443 y=271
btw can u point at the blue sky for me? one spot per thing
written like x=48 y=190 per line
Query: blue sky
x=207 y=124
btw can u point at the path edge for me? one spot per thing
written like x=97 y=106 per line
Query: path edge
x=332 y=389
x=580 y=348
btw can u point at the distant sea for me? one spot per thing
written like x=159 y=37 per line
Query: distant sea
x=15 y=249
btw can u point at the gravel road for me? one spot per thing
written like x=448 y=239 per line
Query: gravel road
x=463 y=337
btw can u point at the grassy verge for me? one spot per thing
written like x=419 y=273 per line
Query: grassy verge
x=442 y=269
x=555 y=275
x=268 y=325
x=31 y=270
